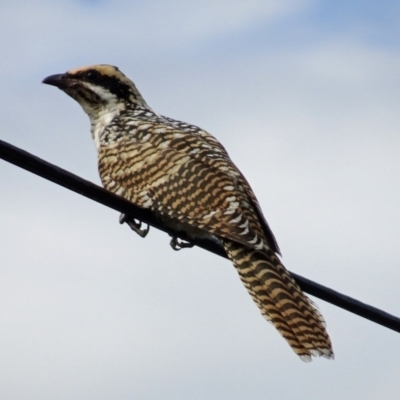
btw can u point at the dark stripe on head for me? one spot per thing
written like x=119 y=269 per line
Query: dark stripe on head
x=111 y=83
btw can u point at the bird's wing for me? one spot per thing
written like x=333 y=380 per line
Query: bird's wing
x=233 y=170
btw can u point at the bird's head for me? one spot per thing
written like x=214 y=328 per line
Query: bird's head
x=97 y=88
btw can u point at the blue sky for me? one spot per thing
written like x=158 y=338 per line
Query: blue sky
x=305 y=97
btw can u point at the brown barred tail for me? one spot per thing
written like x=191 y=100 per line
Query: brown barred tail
x=281 y=301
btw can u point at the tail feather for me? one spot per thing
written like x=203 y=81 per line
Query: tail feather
x=281 y=301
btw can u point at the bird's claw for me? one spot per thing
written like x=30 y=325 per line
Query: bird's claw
x=179 y=244
x=134 y=224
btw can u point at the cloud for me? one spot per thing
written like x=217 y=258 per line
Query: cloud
x=70 y=29
x=89 y=310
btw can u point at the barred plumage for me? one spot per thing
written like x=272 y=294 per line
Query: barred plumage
x=185 y=175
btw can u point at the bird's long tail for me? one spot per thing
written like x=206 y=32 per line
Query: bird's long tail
x=281 y=301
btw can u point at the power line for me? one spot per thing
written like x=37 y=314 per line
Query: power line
x=55 y=174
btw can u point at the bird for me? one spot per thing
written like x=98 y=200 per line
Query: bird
x=185 y=176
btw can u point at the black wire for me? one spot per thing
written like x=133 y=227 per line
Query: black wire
x=88 y=189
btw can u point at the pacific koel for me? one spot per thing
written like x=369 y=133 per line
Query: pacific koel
x=184 y=175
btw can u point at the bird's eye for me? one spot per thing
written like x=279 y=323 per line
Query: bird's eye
x=91 y=75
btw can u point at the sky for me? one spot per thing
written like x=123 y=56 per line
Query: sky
x=305 y=97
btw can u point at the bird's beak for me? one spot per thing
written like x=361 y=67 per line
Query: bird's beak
x=58 y=80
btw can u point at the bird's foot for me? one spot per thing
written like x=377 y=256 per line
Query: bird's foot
x=178 y=244
x=134 y=224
